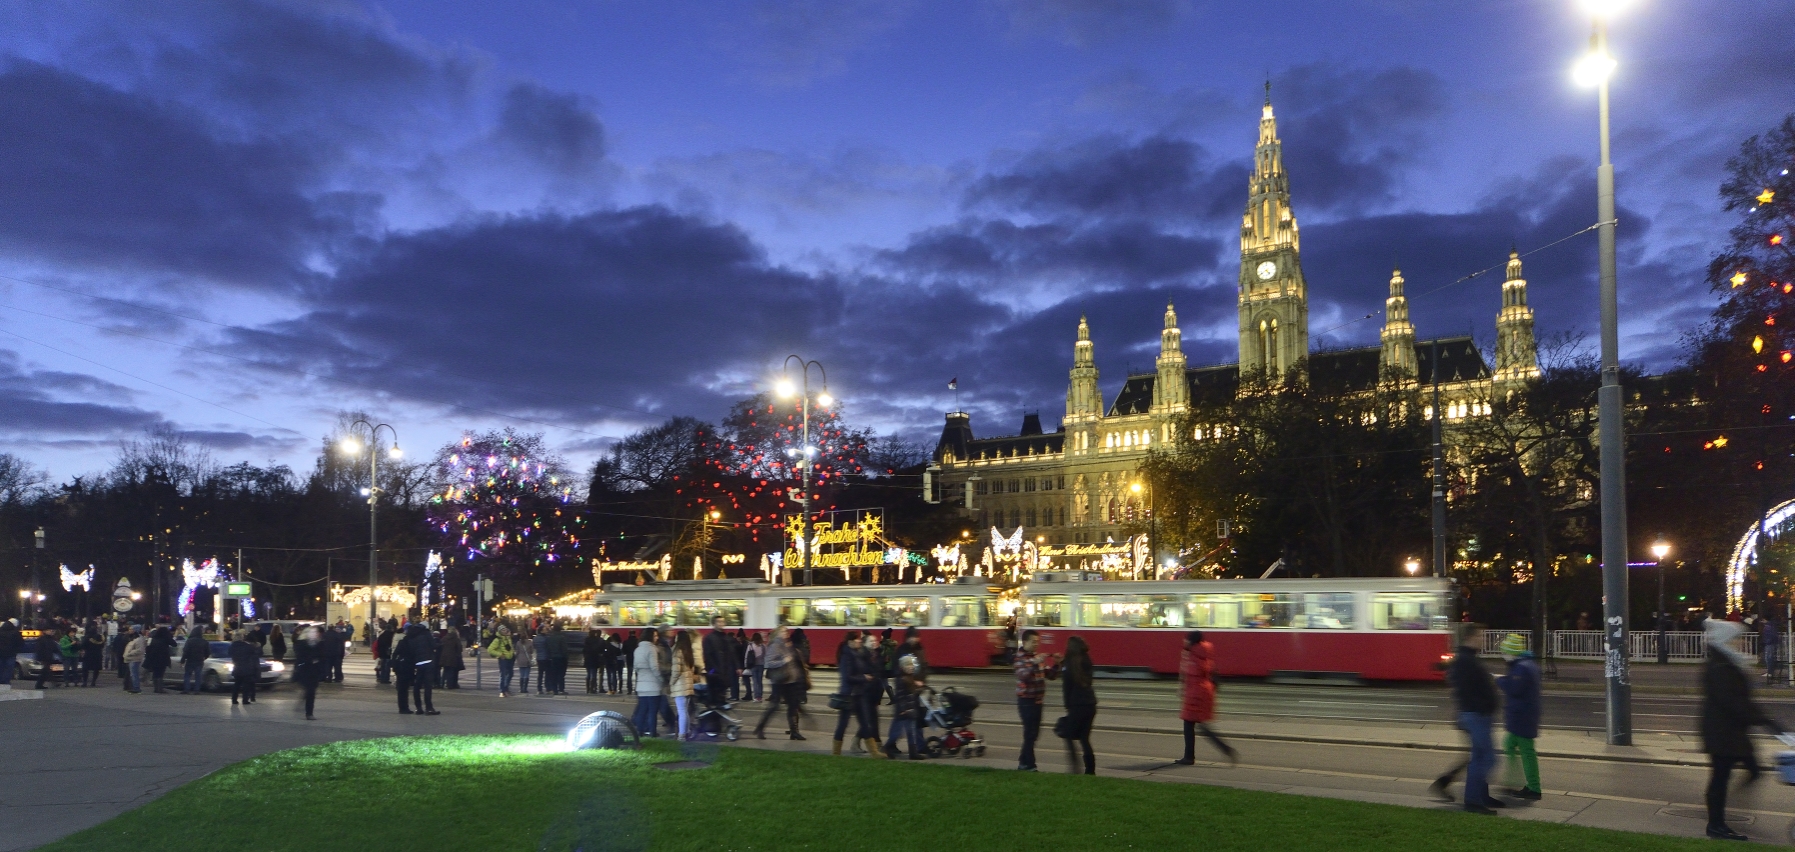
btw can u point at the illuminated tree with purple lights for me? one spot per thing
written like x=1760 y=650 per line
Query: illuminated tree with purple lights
x=504 y=503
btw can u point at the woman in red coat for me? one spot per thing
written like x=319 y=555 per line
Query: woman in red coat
x=1196 y=679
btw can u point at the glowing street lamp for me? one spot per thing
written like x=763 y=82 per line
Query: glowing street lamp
x=1413 y=566
x=1661 y=549
x=351 y=445
x=1595 y=69
x=786 y=388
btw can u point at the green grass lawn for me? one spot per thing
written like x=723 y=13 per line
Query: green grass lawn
x=496 y=793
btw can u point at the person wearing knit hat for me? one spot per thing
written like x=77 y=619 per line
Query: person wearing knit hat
x=1520 y=715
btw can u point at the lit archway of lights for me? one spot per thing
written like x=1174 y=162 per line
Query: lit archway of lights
x=1745 y=553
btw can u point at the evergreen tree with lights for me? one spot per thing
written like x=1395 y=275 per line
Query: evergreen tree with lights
x=505 y=505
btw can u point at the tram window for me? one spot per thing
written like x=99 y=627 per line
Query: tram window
x=603 y=614
x=903 y=612
x=1111 y=611
x=1221 y=611
x=1408 y=611
x=635 y=613
x=1164 y=611
x=699 y=613
x=1328 y=611
x=1045 y=611
x=968 y=612
x=1269 y=611
x=793 y=611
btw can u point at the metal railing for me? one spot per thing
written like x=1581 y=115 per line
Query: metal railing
x=1684 y=646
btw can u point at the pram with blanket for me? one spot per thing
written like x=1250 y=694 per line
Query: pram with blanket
x=951 y=711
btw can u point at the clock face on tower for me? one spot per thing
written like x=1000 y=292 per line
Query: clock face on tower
x=1267 y=270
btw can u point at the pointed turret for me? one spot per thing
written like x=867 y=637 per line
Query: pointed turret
x=1274 y=298
x=1082 y=397
x=1517 y=354
x=1170 y=393
x=1397 y=363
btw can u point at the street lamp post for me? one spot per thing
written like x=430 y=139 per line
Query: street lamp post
x=806 y=454
x=1661 y=549
x=1595 y=69
x=351 y=446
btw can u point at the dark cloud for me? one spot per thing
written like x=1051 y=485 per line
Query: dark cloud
x=1157 y=177
x=1349 y=135
x=33 y=403
x=556 y=129
x=573 y=317
x=104 y=179
x=1036 y=256
x=232 y=441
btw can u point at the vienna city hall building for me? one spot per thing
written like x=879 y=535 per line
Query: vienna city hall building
x=1075 y=486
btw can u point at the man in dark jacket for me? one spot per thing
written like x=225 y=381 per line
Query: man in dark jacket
x=420 y=651
x=629 y=662
x=158 y=655
x=335 y=641
x=193 y=661
x=1474 y=697
x=1728 y=713
x=46 y=653
x=555 y=649
x=383 y=652
x=1520 y=714
x=720 y=660
x=10 y=645
x=246 y=668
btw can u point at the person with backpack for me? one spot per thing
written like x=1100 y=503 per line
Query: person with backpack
x=1080 y=694
x=1196 y=683
x=501 y=649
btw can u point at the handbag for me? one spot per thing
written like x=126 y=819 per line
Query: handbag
x=1062 y=727
x=837 y=701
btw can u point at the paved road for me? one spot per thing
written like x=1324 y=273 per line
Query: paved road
x=86 y=755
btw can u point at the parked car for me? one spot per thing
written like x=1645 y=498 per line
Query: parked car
x=25 y=665
x=217 y=676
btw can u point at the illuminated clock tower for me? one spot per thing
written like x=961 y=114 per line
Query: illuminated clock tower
x=1274 y=300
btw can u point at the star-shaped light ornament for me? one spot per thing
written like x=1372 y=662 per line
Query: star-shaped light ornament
x=1738 y=279
x=1767 y=196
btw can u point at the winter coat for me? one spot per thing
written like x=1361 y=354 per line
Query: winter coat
x=196 y=649
x=1196 y=679
x=525 y=651
x=69 y=649
x=854 y=667
x=720 y=654
x=450 y=655
x=134 y=649
x=1076 y=685
x=648 y=671
x=680 y=685
x=246 y=660
x=93 y=650
x=1727 y=709
x=1473 y=690
x=10 y=640
x=555 y=647
x=1520 y=693
x=417 y=647
x=500 y=647
x=160 y=650
x=308 y=661
x=592 y=651
x=278 y=642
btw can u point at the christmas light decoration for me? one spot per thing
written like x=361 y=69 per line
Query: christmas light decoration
x=433 y=575
x=753 y=463
x=505 y=499
x=1738 y=279
x=192 y=579
x=1768 y=195
x=71 y=579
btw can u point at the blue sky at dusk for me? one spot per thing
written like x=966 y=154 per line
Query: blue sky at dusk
x=583 y=217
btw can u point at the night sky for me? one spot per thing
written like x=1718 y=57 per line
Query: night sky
x=237 y=219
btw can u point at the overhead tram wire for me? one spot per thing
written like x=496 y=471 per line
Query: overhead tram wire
x=1462 y=279
x=247 y=330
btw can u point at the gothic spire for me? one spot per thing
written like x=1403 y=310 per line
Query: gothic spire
x=1397 y=361
x=1517 y=353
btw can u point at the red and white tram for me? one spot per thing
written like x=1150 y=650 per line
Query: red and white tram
x=1370 y=628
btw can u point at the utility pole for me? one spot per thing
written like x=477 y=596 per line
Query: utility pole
x=1439 y=491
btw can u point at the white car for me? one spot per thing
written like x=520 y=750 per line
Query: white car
x=217 y=674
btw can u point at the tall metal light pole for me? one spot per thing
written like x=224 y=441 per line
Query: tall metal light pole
x=1595 y=69
x=351 y=445
x=1661 y=549
x=806 y=454
x=1439 y=471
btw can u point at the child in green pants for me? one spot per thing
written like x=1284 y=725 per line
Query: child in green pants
x=1520 y=714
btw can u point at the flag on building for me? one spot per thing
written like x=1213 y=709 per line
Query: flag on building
x=953 y=383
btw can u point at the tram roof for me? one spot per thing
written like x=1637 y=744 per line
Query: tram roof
x=713 y=588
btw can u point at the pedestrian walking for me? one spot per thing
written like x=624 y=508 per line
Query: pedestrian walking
x=540 y=642
x=1196 y=685
x=136 y=648
x=525 y=646
x=1769 y=639
x=906 y=710
x=721 y=657
x=647 y=684
x=1728 y=713
x=853 y=666
x=277 y=643
x=754 y=676
x=1474 y=698
x=501 y=648
x=450 y=658
x=336 y=645
x=158 y=655
x=246 y=668
x=308 y=665
x=1520 y=687
x=93 y=654
x=556 y=645
x=911 y=647
x=785 y=669
x=1079 y=691
x=592 y=655
x=421 y=650
x=195 y=650
x=1033 y=670
x=11 y=642
x=680 y=685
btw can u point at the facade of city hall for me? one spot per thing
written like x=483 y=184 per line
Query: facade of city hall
x=1075 y=485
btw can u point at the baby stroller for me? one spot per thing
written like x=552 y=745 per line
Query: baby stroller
x=951 y=711
x=713 y=715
